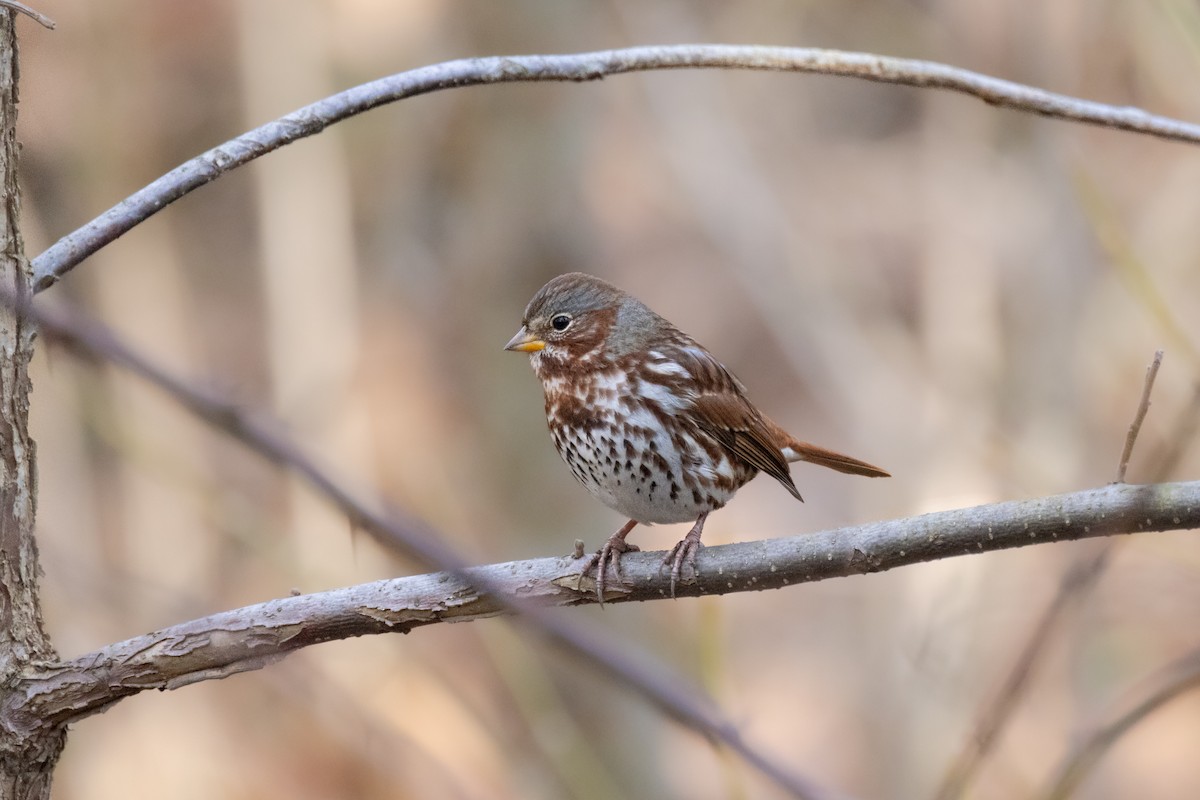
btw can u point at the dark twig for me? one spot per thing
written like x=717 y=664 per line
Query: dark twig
x=1166 y=685
x=73 y=248
x=668 y=692
x=1077 y=582
x=1143 y=407
x=41 y=18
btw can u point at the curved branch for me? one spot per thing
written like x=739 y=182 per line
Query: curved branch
x=73 y=248
x=33 y=14
x=254 y=636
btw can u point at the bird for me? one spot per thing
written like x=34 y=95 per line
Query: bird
x=647 y=419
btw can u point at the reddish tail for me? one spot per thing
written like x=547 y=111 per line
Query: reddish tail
x=795 y=450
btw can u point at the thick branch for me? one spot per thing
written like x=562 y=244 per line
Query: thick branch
x=21 y=635
x=78 y=245
x=251 y=637
x=26 y=762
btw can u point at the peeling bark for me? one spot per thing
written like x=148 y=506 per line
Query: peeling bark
x=52 y=695
x=27 y=758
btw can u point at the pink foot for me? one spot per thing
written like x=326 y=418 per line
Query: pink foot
x=608 y=558
x=684 y=552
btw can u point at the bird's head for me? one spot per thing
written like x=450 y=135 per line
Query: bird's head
x=579 y=322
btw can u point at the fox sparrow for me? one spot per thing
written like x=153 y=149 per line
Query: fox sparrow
x=647 y=419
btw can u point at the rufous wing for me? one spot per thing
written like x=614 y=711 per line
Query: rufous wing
x=731 y=420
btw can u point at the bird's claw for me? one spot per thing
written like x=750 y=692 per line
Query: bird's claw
x=684 y=552
x=606 y=558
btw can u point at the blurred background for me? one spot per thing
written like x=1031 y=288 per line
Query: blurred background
x=963 y=295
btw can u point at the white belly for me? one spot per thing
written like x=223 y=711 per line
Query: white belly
x=645 y=480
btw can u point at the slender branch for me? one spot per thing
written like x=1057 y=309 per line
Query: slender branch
x=254 y=636
x=73 y=248
x=93 y=340
x=1169 y=683
x=1143 y=407
x=41 y=18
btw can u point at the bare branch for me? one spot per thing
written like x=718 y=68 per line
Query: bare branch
x=252 y=637
x=1140 y=415
x=391 y=528
x=41 y=18
x=26 y=762
x=73 y=248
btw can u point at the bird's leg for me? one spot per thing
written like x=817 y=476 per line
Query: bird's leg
x=684 y=552
x=610 y=556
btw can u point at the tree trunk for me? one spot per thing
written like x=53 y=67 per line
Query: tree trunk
x=27 y=755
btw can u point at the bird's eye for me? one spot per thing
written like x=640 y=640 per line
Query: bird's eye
x=561 y=322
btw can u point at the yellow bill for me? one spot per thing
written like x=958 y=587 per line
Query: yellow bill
x=525 y=342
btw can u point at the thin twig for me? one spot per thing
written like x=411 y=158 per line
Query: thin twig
x=1078 y=581
x=41 y=18
x=1169 y=683
x=1143 y=407
x=669 y=692
x=73 y=248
